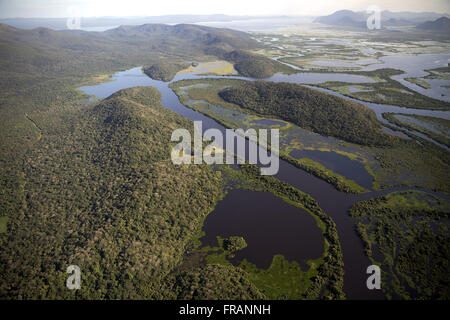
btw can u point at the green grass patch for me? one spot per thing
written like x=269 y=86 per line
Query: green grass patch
x=3 y=223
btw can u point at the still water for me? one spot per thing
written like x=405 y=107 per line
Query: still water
x=351 y=169
x=268 y=224
x=303 y=239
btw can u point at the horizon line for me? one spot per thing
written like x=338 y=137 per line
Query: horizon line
x=219 y=14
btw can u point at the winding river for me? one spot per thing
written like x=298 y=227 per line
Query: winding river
x=333 y=202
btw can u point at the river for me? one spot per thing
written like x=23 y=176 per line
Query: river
x=333 y=202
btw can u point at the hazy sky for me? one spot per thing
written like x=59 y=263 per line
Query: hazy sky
x=89 y=8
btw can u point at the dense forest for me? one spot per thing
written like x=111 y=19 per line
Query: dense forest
x=255 y=66
x=310 y=109
x=93 y=184
x=164 y=71
x=406 y=233
x=102 y=193
x=40 y=69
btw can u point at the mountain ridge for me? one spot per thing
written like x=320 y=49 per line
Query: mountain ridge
x=442 y=25
x=357 y=19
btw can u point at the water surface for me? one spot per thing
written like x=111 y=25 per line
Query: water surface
x=333 y=202
x=351 y=169
x=268 y=224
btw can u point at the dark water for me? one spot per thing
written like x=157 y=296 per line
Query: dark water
x=436 y=128
x=396 y=133
x=268 y=224
x=268 y=123
x=379 y=109
x=351 y=169
x=333 y=202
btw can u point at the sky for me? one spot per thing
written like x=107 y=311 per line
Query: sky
x=97 y=8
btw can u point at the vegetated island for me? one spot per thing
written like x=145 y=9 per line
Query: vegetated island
x=310 y=109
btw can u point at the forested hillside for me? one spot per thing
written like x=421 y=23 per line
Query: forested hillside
x=164 y=71
x=94 y=185
x=40 y=68
x=60 y=53
x=44 y=53
x=255 y=66
x=310 y=109
x=101 y=192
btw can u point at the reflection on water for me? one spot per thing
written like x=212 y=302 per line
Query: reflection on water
x=268 y=224
x=351 y=169
x=395 y=133
x=414 y=66
x=316 y=78
x=379 y=109
x=433 y=127
x=333 y=202
x=353 y=89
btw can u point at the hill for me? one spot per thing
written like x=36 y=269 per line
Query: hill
x=348 y=18
x=440 y=25
x=75 y=180
x=255 y=66
x=99 y=22
x=164 y=71
x=40 y=68
x=102 y=192
x=79 y=53
x=124 y=45
x=310 y=109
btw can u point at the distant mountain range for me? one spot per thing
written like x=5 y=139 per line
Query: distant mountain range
x=156 y=37
x=343 y=18
x=166 y=48
x=102 y=23
x=441 y=24
x=348 y=18
x=96 y=22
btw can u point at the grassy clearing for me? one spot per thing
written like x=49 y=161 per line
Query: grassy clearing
x=439 y=73
x=220 y=68
x=3 y=223
x=283 y=279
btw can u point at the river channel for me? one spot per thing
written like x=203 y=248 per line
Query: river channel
x=301 y=239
